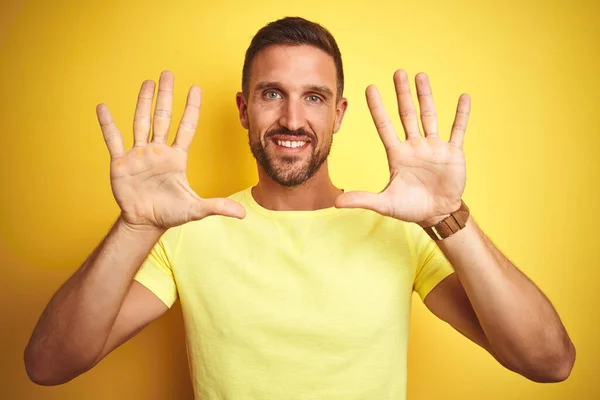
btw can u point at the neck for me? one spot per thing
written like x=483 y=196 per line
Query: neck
x=316 y=193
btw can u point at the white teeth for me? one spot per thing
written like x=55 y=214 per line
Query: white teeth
x=287 y=143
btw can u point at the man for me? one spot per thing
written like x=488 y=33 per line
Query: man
x=306 y=291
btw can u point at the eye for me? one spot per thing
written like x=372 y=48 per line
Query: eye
x=272 y=95
x=314 y=98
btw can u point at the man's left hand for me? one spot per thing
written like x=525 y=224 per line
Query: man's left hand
x=427 y=174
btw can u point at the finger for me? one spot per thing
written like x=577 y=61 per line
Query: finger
x=219 y=206
x=189 y=121
x=112 y=136
x=141 y=119
x=459 y=127
x=366 y=200
x=381 y=119
x=163 y=109
x=406 y=107
x=426 y=105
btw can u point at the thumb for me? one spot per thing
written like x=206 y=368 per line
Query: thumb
x=360 y=199
x=219 y=206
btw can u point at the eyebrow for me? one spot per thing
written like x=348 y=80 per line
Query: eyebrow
x=312 y=88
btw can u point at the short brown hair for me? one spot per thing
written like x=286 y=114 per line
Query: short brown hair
x=293 y=31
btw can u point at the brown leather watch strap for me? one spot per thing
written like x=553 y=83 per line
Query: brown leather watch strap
x=451 y=224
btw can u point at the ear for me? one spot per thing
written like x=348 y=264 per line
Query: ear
x=242 y=108
x=340 y=111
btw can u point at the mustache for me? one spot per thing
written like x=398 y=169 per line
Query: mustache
x=285 y=131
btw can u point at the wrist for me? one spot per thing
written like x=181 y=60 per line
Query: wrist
x=441 y=227
x=432 y=221
x=139 y=230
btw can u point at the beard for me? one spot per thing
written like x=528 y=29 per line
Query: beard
x=289 y=171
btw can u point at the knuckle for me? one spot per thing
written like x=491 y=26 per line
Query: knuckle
x=428 y=113
x=188 y=125
x=220 y=204
x=142 y=119
x=407 y=113
x=458 y=127
x=106 y=124
x=381 y=124
x=111 y=138
x=162 y=113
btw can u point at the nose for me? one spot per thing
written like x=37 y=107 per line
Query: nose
x=292 y=116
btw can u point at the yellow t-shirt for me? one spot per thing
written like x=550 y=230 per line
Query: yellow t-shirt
x=295 y=304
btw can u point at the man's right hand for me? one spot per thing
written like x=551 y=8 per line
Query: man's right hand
x=149 y=181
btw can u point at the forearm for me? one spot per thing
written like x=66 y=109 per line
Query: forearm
x=519 y=322
x=73 y=328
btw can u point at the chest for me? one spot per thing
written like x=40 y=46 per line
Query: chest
x=309 y=285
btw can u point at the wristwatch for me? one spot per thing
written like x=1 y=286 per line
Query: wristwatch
x=451 y=224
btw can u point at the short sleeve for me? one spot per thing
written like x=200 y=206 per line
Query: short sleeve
x=156 y=272
x=432 y=267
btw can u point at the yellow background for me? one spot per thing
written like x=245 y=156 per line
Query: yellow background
x=532 y=142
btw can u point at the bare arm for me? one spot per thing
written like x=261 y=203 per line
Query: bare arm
x=101 y=306
x=427 y=182
x=449 y=302
x=72 y=332
x=494 y=304
x=139 y=308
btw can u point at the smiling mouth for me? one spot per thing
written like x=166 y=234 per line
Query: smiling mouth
x=291 y=144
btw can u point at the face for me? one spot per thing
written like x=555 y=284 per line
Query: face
x=291 y=112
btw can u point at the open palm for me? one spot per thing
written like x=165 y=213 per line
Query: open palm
x=149 y=182
x=427 y=174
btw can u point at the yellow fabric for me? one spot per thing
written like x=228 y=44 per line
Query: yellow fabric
x=156 y=273
x=295 y=304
